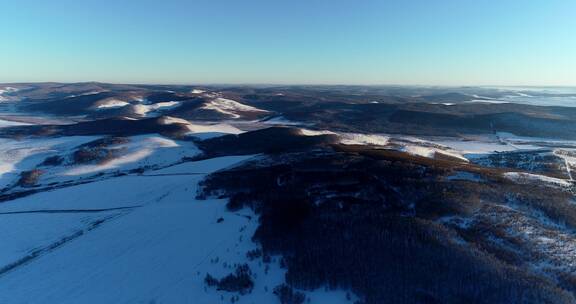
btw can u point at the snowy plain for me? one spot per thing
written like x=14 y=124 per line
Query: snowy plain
x=140 y=238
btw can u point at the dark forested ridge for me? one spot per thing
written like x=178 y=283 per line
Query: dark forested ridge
x=394 y=228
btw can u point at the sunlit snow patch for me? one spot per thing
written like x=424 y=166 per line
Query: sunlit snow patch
x=202 y=131
x=111 y=104
x=149 y=109
x=363 y=139
x=351 y=138
x=527 y=178
x=9 y=123
x=430 y=152
x=308 y=132
x=282 y=121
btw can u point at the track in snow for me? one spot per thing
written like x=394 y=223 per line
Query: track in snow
x=70 y=210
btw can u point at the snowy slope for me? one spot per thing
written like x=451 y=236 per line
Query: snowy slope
x=22 y=155
x=140 y=151
x=143 y=151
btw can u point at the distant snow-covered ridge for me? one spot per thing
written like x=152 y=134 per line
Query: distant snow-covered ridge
x=5 y=93
x=147 y=109
x=409 y=145
x=111 y=103
x=141 y=108
x=230 y=107
x=468 y=150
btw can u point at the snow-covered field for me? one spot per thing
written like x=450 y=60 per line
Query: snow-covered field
x=140 y=238
x=138 y=256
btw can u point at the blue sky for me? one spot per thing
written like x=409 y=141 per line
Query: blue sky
x=439 y=42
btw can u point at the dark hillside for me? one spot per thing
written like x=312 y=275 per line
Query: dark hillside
x=270 y=140
x=374 y=221
x=117 y=127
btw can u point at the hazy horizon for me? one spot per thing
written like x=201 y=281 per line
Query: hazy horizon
x=317 y=42
x=294 y=84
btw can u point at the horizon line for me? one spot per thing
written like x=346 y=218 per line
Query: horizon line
x=289 y=84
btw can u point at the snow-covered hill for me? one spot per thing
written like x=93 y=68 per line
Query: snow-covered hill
x=231 y=108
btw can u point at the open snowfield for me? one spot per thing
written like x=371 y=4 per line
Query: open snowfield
x=148 y=250
x=131 y=239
